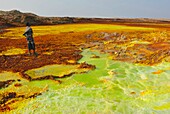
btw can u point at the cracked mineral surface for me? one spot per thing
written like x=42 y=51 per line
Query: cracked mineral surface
x=86 y=68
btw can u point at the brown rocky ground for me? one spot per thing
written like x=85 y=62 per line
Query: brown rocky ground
x=65 y=47
x=62 y=49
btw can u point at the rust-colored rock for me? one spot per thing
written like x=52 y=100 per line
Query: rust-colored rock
x=95 y=56
x=85 y=65
x=17 y=85
x=6 y=83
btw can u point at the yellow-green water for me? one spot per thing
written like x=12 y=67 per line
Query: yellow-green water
x=112 y=88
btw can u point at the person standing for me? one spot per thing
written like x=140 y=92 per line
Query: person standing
x=29 y=37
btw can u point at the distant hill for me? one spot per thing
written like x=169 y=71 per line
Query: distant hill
x=17 y=18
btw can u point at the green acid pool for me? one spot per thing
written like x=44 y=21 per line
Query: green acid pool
x=114 y=87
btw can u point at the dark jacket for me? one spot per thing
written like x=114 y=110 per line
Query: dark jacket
x=29 y=34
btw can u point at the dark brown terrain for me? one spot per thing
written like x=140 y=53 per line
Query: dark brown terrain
x=16 y=18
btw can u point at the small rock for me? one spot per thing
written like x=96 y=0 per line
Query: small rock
x=85 y=65
x=95 y=56
x=17 y=85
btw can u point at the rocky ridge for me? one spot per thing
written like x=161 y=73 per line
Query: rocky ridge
x=16 y=18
